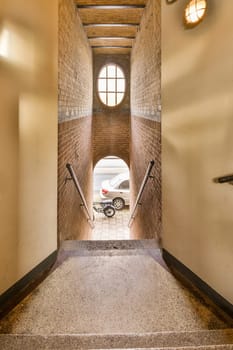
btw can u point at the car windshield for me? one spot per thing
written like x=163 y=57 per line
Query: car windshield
x=116 y=179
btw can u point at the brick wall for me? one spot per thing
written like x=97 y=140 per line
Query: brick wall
x=75 y=65
x=75 y=122
x=146 y=145
x=111 y=125
x=146 y=65
x=74 y=148
x=145 y=122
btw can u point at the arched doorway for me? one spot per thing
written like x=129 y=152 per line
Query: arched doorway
x=111 y=189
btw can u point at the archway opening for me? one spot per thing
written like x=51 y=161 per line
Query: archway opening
x=111 y=194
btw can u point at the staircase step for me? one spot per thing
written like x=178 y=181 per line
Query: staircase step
x=214 y=339
x=109 y=245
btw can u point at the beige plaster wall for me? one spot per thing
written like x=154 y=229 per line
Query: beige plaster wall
x=28 y=136
x=197 y=142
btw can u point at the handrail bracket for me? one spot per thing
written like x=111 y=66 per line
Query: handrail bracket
x=67 y=179
x=224 y=179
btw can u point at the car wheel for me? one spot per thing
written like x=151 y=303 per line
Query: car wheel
x=109 y=211
x=118 y=203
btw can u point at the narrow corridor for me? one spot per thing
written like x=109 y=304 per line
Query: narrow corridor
x=81 y=80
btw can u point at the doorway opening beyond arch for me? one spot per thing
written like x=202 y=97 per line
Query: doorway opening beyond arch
x=111 y=189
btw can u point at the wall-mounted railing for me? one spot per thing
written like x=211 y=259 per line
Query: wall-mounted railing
x=224 y=179
x=83 y=200
x=143 y=185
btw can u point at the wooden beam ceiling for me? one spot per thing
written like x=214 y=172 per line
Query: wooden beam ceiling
x=111 y=42
x=111 y=25
x=119 y=16
x=110 y=7
x=110 y=2
x=112 y=51
x=111 y=31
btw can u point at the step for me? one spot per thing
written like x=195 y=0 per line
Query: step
x=71 y=245
x=214 y=339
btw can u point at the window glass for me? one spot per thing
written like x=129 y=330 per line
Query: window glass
x=103 y=72
x=103 y=97
x=111 y=71
x=120 y=74
x=111 y=99
x=120 y=85
x=111 y=85
x=124 y=185
x=120 y=97
x=102 y=86
x=114 y=181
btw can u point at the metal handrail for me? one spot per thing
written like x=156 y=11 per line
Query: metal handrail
x=144 y=182
x=77 y=185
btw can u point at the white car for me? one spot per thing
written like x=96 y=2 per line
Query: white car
x=116 y=189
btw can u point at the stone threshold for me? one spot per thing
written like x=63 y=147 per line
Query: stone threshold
x=220 y=339
x=109 y=244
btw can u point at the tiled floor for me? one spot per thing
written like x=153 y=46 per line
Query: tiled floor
x=113 y=228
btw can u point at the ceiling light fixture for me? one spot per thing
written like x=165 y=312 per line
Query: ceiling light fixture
x=194 y=12
x=170 y=1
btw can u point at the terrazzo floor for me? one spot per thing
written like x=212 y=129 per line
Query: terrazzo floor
x=111 y=292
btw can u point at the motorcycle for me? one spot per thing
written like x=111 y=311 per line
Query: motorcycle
x=106 y=207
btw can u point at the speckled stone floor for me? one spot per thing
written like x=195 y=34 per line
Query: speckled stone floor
x=112 y=291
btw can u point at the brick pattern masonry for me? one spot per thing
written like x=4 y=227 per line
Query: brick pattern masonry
x=111 y=126
x=146 y=65
x=146 y=145
x=75 y=122
x=74 y=148
x=145 y=123
x=83 y=139
x=75 y=65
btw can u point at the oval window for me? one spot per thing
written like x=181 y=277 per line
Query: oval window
x=111 y=85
